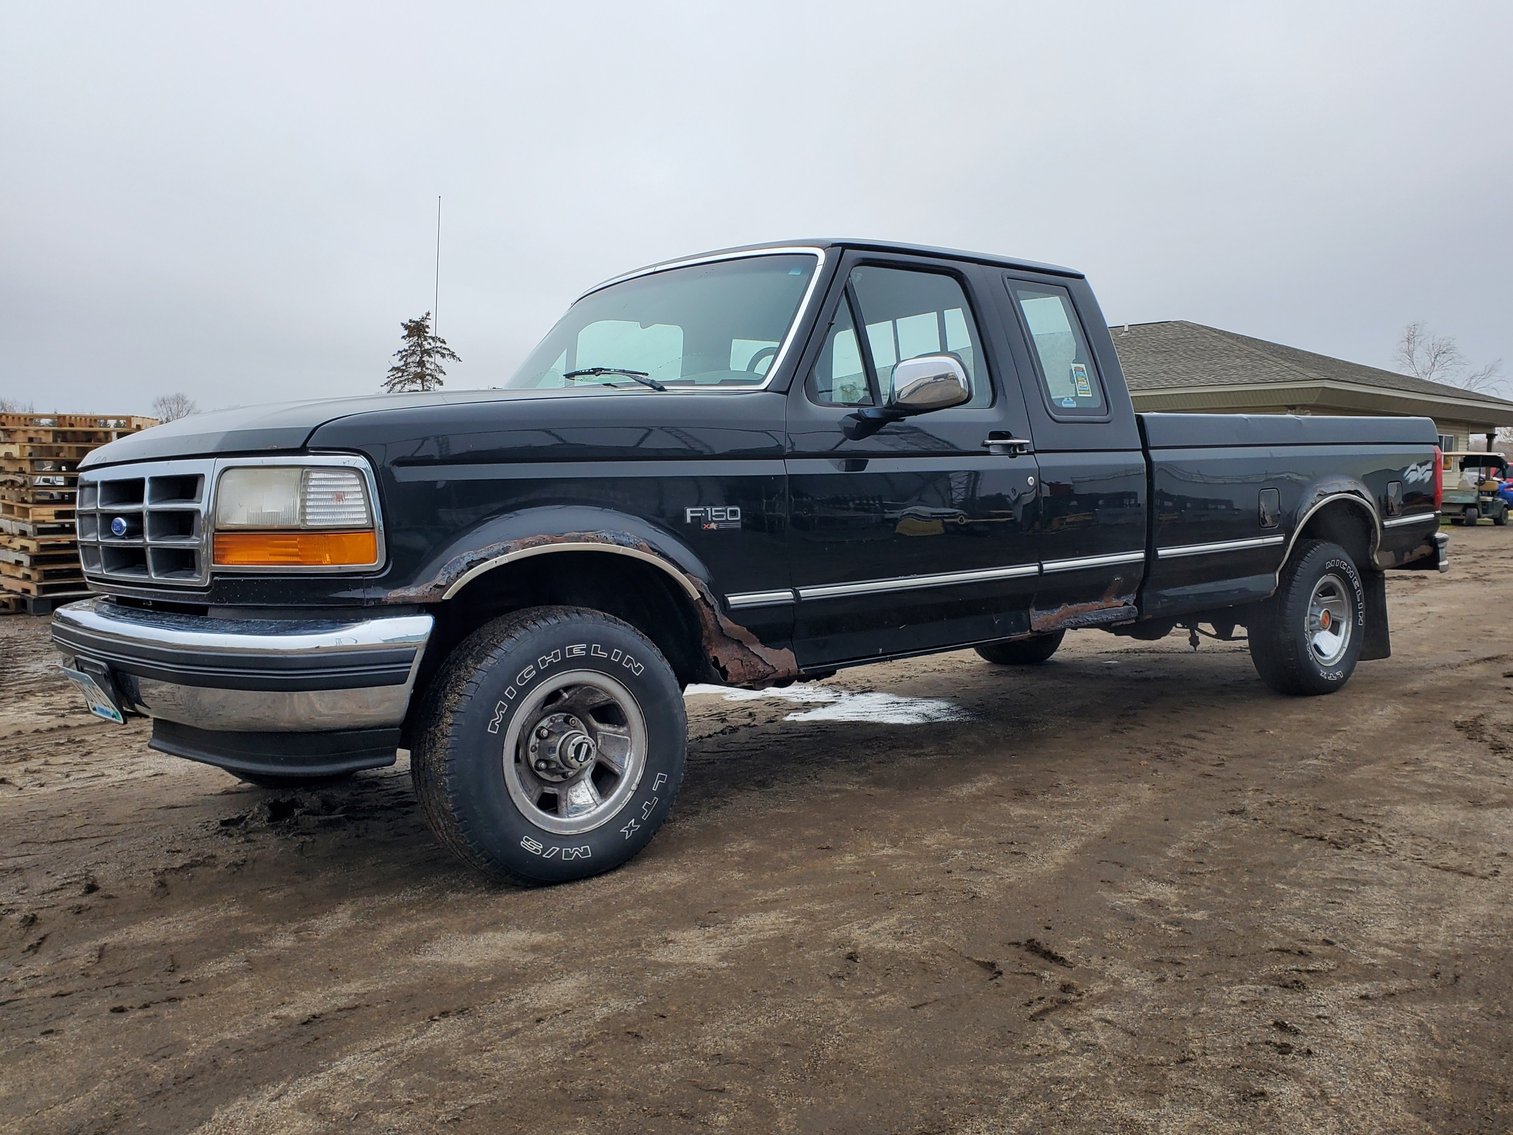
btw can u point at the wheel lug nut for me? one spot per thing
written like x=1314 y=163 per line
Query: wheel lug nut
x=542 y=732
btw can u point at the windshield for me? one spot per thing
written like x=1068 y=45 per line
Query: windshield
x=718 y=324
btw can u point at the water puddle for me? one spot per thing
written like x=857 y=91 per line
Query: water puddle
x=828 y=703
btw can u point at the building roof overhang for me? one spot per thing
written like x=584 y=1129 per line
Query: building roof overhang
x=1333 y=395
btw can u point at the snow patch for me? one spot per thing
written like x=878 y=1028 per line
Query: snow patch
x=831 y=704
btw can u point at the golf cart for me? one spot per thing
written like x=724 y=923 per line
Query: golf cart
x=1471 y=483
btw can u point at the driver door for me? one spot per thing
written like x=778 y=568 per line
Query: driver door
x=912 y=535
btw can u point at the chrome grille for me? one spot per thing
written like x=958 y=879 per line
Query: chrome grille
x=146 y=523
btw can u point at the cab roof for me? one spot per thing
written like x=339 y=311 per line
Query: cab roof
x=843 y=244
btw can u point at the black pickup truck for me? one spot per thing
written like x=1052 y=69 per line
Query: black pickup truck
x=748 y=467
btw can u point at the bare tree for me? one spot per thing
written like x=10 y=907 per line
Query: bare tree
x=167 y=407
x=419 y=358
x=9 y=406
x=1439 y=359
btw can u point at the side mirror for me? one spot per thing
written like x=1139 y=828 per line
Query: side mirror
x=929 y=382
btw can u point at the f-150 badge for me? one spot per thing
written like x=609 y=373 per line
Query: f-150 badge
x=711 y=519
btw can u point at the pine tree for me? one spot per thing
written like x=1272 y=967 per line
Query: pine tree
x=419 y=358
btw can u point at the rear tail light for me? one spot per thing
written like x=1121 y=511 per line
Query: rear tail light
x=1439 y=477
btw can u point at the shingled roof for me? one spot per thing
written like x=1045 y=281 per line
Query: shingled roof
x=1163 y=356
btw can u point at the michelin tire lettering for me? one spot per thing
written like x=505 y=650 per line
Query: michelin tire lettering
x=545 y=662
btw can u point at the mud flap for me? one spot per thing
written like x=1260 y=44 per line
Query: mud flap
x=1378 y=642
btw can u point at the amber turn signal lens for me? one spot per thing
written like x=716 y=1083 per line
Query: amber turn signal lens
x=296 y=549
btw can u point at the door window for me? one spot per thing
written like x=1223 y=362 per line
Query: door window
x=906 y=313
x=839 y=377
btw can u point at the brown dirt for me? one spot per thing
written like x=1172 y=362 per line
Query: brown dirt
x=1134 y=892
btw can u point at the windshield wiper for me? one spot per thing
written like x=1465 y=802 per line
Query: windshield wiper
x=639 y=375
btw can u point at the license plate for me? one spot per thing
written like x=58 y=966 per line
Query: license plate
x=99 y=700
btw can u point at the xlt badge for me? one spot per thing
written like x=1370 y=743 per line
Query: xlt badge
x=712 y=519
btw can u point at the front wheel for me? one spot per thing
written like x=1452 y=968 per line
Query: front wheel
x=1500 y=517
x=552 y=746
x=1308 y=636
x=1023 y=651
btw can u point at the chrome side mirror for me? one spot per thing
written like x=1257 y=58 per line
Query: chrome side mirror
x=929 y=382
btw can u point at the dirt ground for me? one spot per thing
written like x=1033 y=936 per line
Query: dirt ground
x=1131 y=891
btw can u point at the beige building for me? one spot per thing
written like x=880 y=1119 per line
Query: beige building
x=1186 y=366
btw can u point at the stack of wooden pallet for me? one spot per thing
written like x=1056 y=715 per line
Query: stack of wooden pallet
x=39 y=462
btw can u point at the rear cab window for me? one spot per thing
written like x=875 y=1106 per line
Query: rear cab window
x=1067 y=373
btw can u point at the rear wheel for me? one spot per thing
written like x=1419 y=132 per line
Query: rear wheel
x=1023 y=651
x=1307 y=638
x=552 y=746
x=1472 y=514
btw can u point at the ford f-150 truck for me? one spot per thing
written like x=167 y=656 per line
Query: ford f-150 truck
x=748 y=467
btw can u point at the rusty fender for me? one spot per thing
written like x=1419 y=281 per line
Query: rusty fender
x=1115 y=606
x=434 y=590
x=736 y=655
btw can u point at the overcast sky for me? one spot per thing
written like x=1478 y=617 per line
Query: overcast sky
x=239 y=200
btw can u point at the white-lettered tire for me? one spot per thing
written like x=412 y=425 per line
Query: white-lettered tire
x=1023 y=651
x=1307 y=637
x=552 y=746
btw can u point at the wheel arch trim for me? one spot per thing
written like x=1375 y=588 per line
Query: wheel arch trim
x=518 y=554
x=1355 y=497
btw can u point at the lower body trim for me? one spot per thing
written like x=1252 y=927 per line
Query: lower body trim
x=279 y=754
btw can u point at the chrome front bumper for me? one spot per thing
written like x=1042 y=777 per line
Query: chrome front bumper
x=251 y=682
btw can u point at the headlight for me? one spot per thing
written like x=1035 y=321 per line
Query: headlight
x=294 y=516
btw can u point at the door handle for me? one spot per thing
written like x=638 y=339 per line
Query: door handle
x=1007 y=446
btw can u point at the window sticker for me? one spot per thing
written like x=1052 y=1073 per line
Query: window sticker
x=1080 y=379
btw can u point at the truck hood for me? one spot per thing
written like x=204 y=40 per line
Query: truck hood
x=288 y=426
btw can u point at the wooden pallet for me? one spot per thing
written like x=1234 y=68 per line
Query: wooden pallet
x=37 y=473
x=39 y=460
x=61 y=553
x=72 y=451
x=126 y=423
x=16 y=604
x=38 y=498
x=51 y=513
x=37 y=529
x=40 y=573
x=63 y=586
x=20 y=487
x=38 y=545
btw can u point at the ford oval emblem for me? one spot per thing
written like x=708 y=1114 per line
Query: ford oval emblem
x=118 y=526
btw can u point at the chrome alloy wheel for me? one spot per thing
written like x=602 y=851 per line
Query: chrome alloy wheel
x=575 y=751
x=1329 y=622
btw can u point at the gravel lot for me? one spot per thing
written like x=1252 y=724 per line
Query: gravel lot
x=1130 y=891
